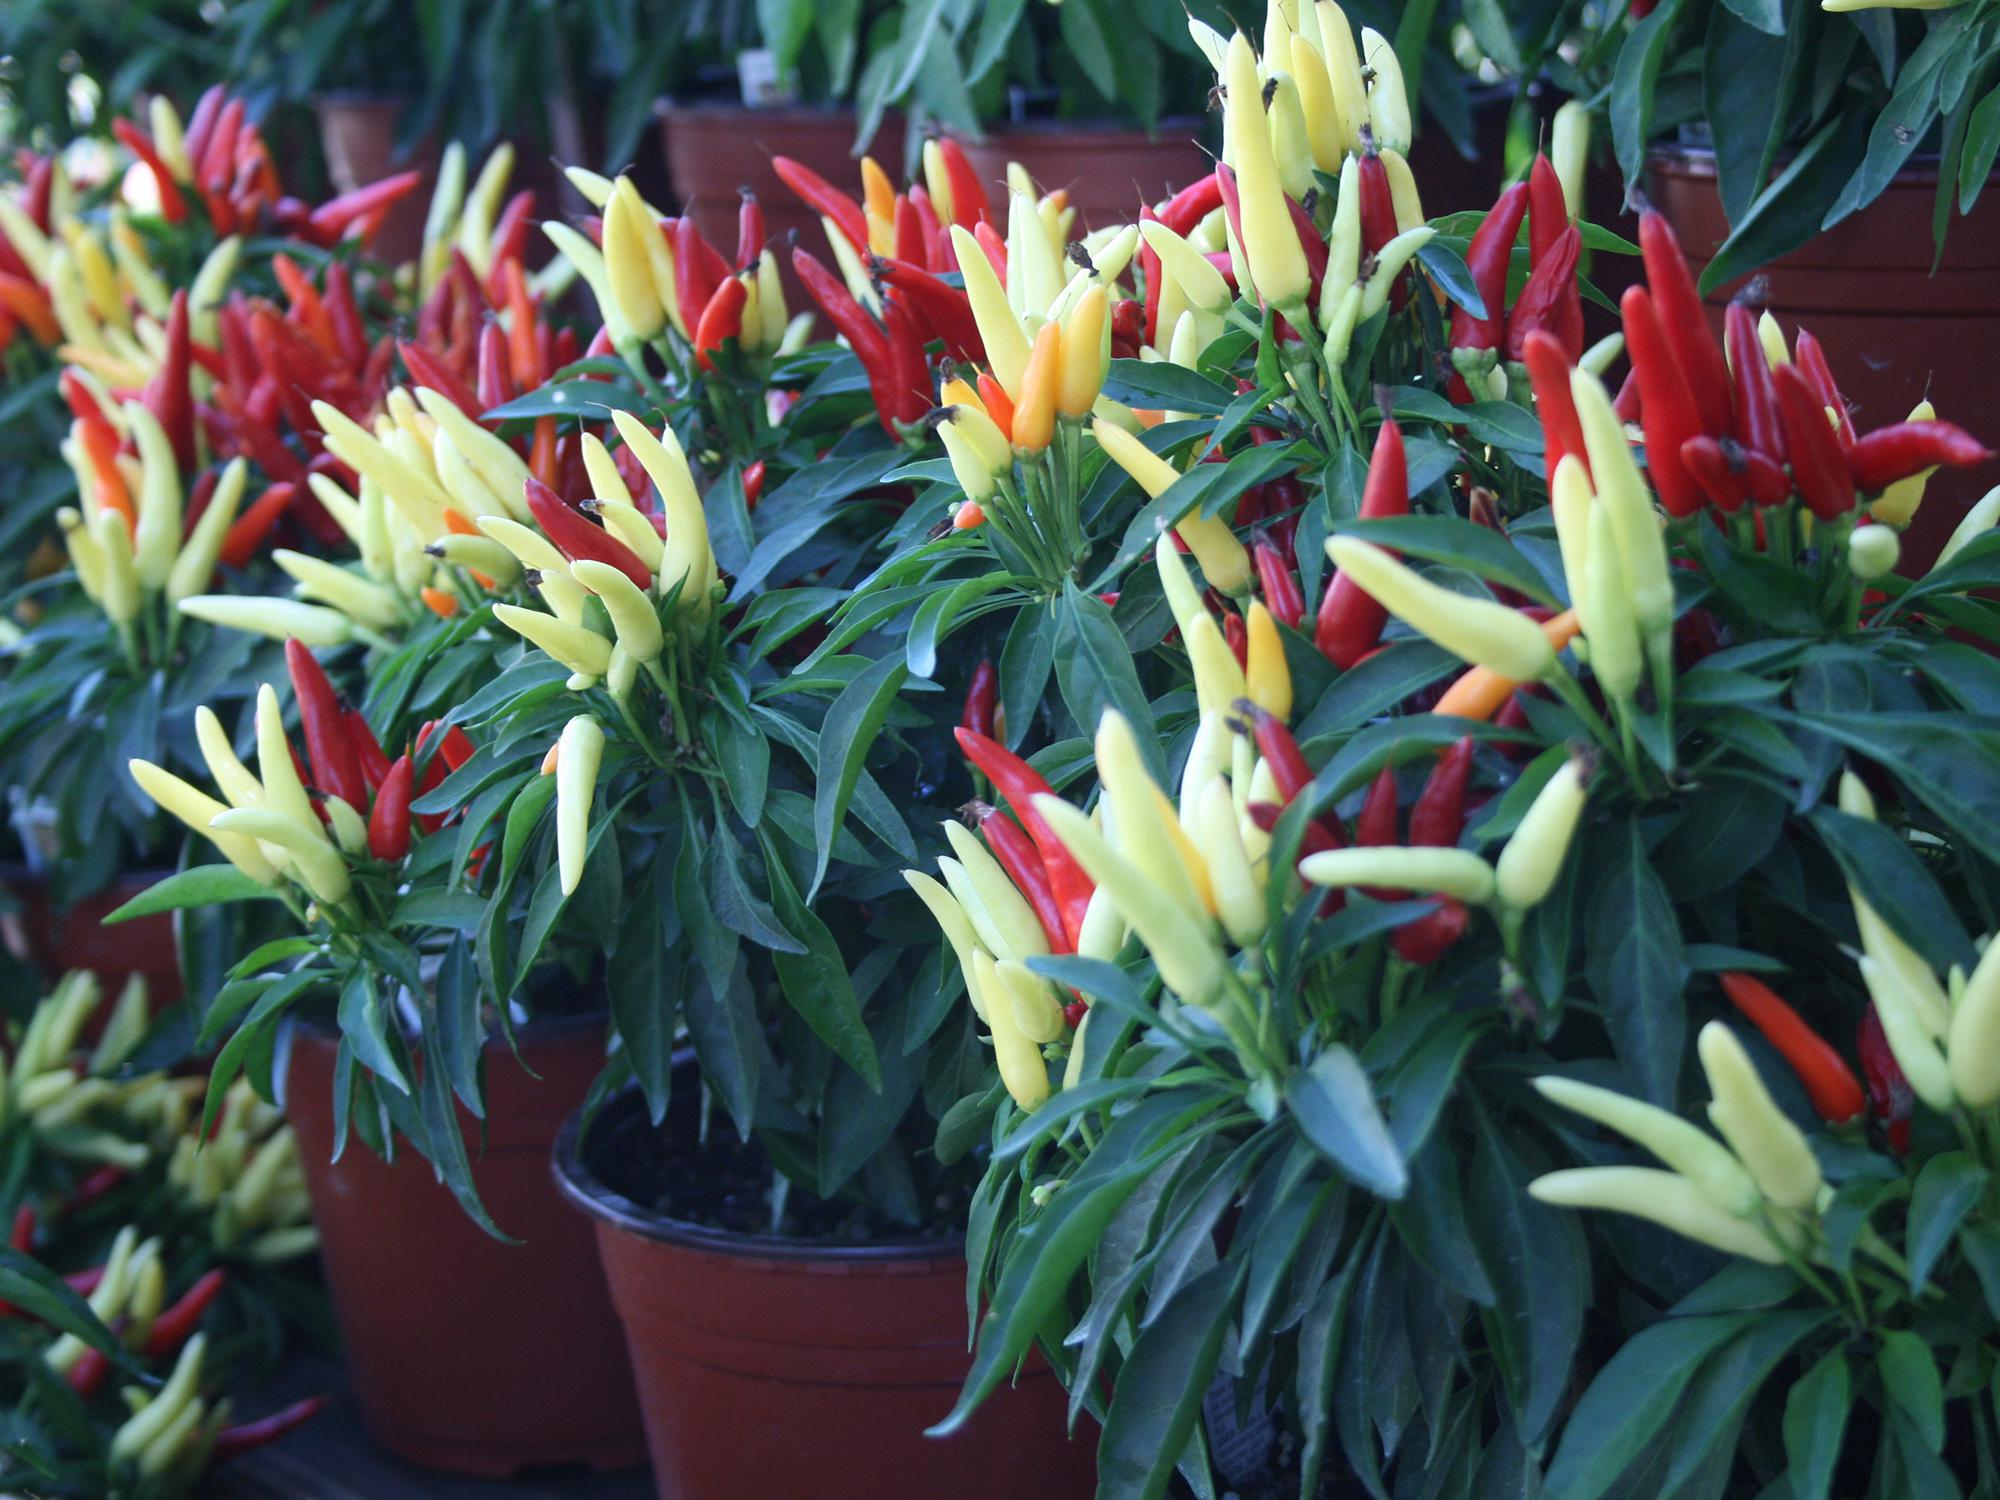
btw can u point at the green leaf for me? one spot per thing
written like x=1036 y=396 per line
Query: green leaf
x=1634 y=964
x=591 y=400
x=365 y=1025
x=1906 y=120
x=1815 y=1420
x=1788 y=212
x=37 y=1292
x=204 y=885
x=1634 y=87
x=1881 y=865
x=816 y=982
x=1947 y=1188
x=1159 y=1390
x=844 y=742
x=1982 y=144
x=639 y=980
x=1499 y=423
x=1095 y=670
x=1748 y=77
x=1164 y=386
x=1951 y=763
x=1630 y=1401
x=1910 y=1380
x=1336 y=1110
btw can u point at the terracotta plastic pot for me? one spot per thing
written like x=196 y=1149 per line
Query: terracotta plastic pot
x=714 y=149
x=59 y=941
x=1107 y=170
x=358 y=135
x=466 y=1353
x=772 y=1367
x=1893 y=331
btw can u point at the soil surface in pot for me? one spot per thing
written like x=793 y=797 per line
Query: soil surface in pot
x=724 y=1182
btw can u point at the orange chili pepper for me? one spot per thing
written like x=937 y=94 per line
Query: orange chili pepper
x=1480 y=692
x=100 y=451
x=524 y=354
x=30 y=304
x=441 y=604
x=542 y=453
x=993 y=396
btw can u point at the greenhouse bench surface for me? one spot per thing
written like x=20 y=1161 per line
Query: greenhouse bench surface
x=331 y=1458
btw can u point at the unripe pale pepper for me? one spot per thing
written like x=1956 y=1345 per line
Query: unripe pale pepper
x=1768 y=1143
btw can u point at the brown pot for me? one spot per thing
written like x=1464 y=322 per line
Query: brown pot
x=58 y=941
x=466 y=1353
x=1894 y=332
x=358 y=135
x=773 y=1367
x=1108 y=171
x=714 y=149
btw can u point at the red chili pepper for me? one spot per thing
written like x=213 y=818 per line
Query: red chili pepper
x=1486 y=259
x=993 y=396
x=173 y=204
x=308 y=309
x=907 y=234
x=1024 y=866
x=1667 y=410
x=995 y=248
x=426 y=369
x=939 y=305
x=1281 y=753
x=1375 y=824
x=86 y=1377
x=389 y=822
x=1378 y=203
x=753 y=483
x=1350 y=622
x=981 y=699
x=1150 y=274
x=1548 y=217
x=750 y=230
x=456 y=748
x=334 y=217
x=581 y=538
x=721 y=320
x=368 y=751
x=823 y=198
x=1549 y=372
x=1020 y=783
x=167 y=393
x=83 y=1283
x=245 y=1436
x=1685 y=322
x=350 y=336
x=496 y=382
x=1830 y=1083
x=1810 y=360
x=177 y=1324
x=1718 y=467
x=1819 y=469
x=1757 y=425
x=939 y=255
x=848 y=317
x=1626 y=403
x=93 y=1187
x=1543 y=300
x=1896 y=452
x=336 y=769
x=1438 y=816
x=1890 y=1098
x=1237 y=634
x=248 y=530
x=1191 y=205
x=1280 y=585
x=201 y=122
x=902 y=391
x=968 y=194
x=216 y=165
x=1426 y=940
x=1316 y=837
x=1232 y=203
x=1313 y=243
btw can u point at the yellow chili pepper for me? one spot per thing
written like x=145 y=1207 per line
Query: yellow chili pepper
x=1450 y=872
x=1684 y=1147
x=1388 y=103
x=1769 y=1145
x=1527 y=868
x=1666 y=1199
x=195 y=565
x=1085 y=354
x=1000 y=329
x=1218 y=680
x=1389 y=263
x=1606 y=612
x=365 y=602
x=581 y=650
x=687 y=554
x=1277 y=262
x=1569 y=152
x=156 y=536
x=198 y=811
x=1343 y=72
x=1973 y=1045
x=581 y=748
x=1224 y=562
x=1035 y=408
x=1022 y=1069
x=1239 y=898
x=1325 y=131
x=1480 y=631
x=1267 y=676
x=1909 y=1037
x=318 y=864
x=635 y=620
x=1013 y=931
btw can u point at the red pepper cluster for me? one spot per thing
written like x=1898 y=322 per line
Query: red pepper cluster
x=1042 y=869
x=1549 y=302
x=1722 y=431
x=23 y=301
x=169 y=397
x=1437 y=818
x=710 y=293
x=348 y=762
x=917 y=305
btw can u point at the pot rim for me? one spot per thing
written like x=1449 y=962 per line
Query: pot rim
x=1919 y=167
x=581 y=1185
x=1174 y=130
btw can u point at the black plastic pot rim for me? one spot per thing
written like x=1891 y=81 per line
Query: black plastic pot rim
x=577 y=1182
